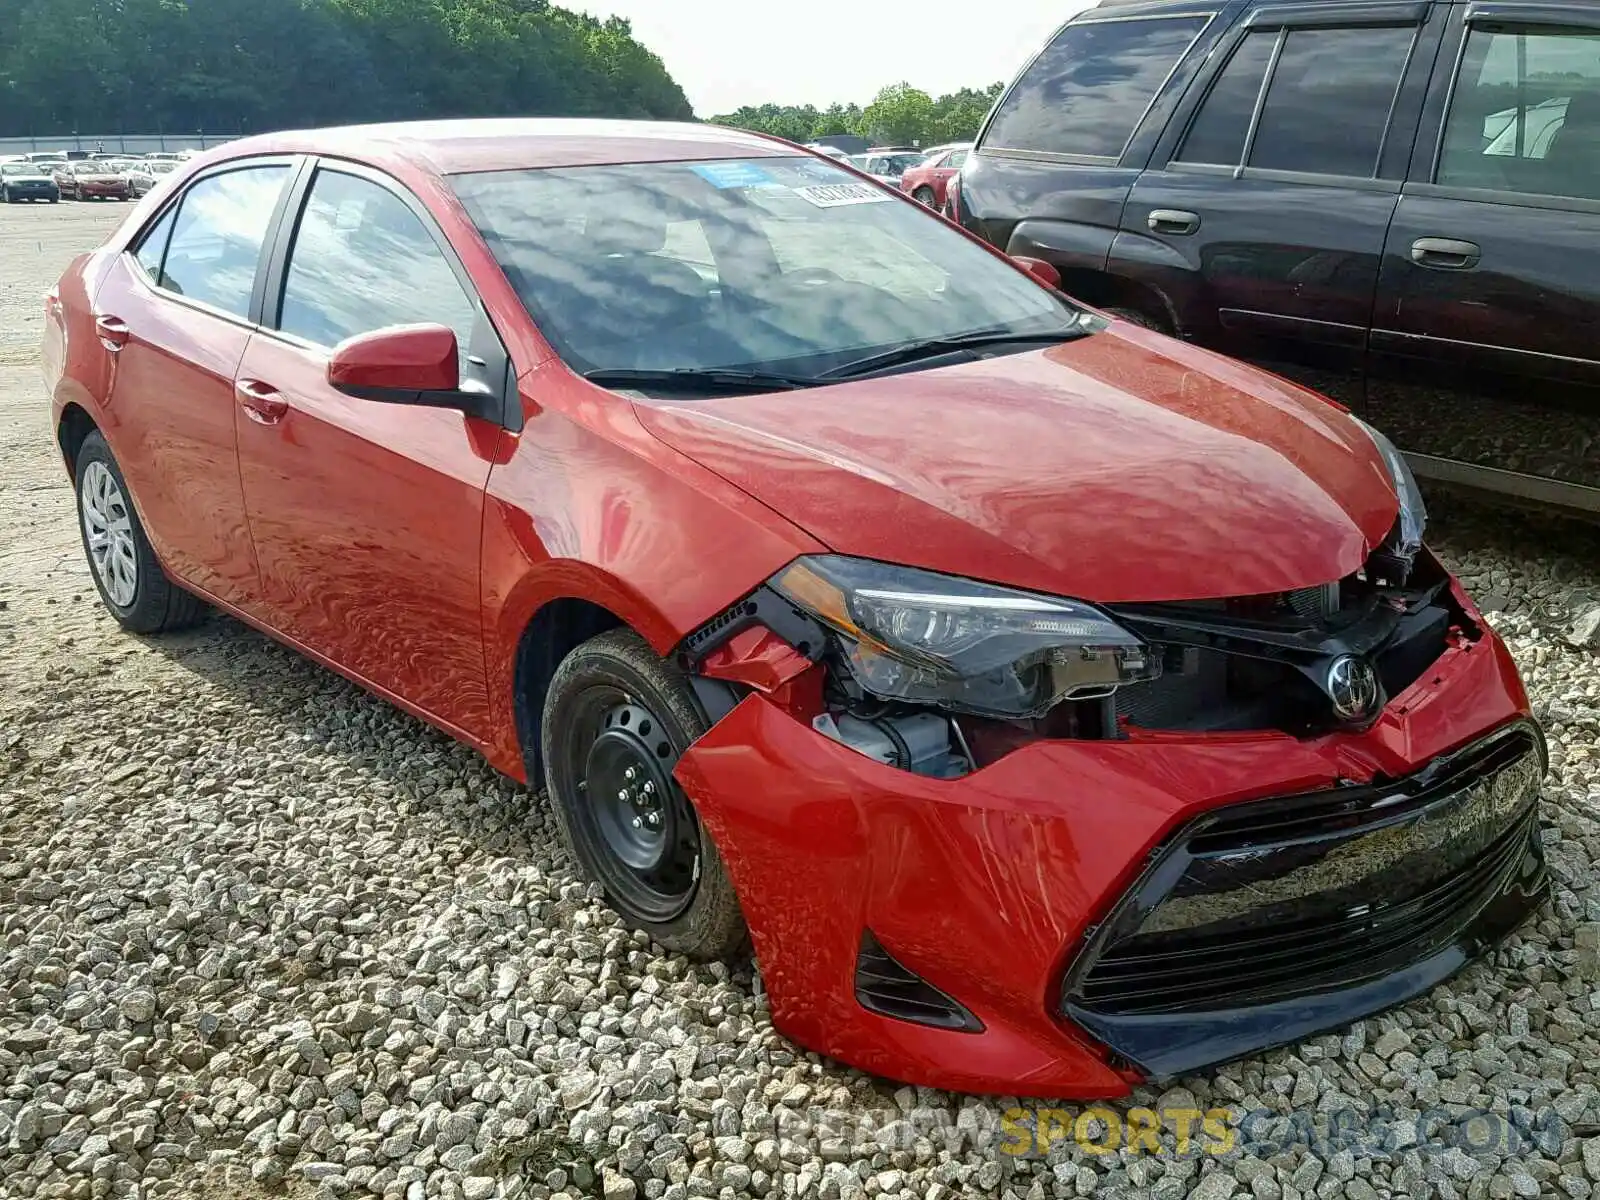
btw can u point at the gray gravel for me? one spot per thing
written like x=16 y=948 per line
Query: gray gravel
x=260 y=933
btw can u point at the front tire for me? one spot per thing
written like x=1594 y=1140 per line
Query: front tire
x=925 y=196
x=130 y=581
x=616 y=719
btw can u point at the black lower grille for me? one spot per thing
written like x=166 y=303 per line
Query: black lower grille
x=890 y=989
x=1268 y=902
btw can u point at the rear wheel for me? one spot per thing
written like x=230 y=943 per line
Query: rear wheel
x=616 y=719
x=130 y=581
x=924 y=195
x=1134 y=317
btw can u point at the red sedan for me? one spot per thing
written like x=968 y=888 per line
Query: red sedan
x=926 y=182
x=1052 y=705
x=88 y=179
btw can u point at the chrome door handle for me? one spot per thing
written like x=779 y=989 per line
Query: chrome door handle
x=1174 y=221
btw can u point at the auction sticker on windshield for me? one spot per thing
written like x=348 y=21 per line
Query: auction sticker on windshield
x=837 y=195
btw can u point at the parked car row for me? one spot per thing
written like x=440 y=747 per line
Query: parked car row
x=82 y=179
x=1394 y=203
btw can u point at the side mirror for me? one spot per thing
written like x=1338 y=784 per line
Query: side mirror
x=1044 y=272
x=408 y=364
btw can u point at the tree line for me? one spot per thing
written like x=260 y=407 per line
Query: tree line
x=900 y=115
x=232 y=66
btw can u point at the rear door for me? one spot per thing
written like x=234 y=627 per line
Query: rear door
x=1485 y=353
x=367 y=517
x=174 y=314
x=1261 y=221
x=1064 y=144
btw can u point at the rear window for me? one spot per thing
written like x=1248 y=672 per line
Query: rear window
x=1086 y=93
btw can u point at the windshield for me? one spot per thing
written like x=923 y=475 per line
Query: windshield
x=21 y=169
x=770 y=264
x=892 y=164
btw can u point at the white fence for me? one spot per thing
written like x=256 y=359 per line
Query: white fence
x=130 y=143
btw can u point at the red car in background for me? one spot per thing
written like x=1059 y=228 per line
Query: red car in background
x=1053 y=705
x=89 y=179
x=926 y=182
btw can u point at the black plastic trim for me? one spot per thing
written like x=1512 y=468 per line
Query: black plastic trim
x=887 y=987
x=764 y=606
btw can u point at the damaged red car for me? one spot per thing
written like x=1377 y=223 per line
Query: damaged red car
x=1049 y=704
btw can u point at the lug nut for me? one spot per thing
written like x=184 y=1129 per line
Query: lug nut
x=636 y=822
x=629 y=773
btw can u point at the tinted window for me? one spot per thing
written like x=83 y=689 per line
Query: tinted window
x=1087 y=91
x=957 y=160
x=362 y=260
x=1220 y=127
x=153 y=246
x=790 y=264
x=1526 y=114
x=1329 y=100
x=216 y=242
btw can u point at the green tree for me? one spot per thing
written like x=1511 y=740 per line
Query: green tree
x=899 y=115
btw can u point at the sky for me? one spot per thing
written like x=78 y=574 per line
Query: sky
x=819 y=51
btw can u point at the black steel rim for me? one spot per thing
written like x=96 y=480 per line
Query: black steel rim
x=639 y=826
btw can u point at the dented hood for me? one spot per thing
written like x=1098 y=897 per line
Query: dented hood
x=1123 y=466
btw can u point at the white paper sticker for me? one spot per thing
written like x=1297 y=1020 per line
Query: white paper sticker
x=837 y=195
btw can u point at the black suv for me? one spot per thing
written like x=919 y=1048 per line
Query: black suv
x=1394 y=202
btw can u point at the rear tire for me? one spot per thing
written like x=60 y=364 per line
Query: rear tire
x=925 y=196
x=127 y=575
x=1134 y=317
x=616 y=719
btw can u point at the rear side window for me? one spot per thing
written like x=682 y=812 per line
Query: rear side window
x=1086 y=93
x=1223 y=122
x=1329 y=101
x=362 y=260
x=1526 y=114
x=216 y=240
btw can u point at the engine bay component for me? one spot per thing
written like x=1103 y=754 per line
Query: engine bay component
x=917 y=742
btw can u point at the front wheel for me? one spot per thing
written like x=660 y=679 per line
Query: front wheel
x=130 y=581
x=924 y=195
x=616 y=719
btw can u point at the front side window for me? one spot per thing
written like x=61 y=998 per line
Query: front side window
x=1328 y=104
x=152 y=248
x=216 y=239
x=362 y=260
x=1525 y=116
x=772 y=264
x=1089 y=89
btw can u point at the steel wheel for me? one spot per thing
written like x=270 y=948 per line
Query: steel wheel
x=633 y=811
x=108 y=533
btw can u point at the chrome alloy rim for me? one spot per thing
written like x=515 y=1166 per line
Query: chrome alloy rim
x=108 y=531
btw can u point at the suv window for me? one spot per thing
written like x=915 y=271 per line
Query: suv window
x=1086 y=93
x=1223 y=122
x=1328 y=104
x=217 y=236
x=362 y=260
x=1526 y=114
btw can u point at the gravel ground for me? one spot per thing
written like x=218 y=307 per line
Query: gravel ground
x=259 y=931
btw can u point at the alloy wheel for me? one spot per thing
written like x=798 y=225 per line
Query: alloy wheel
x=108 y=532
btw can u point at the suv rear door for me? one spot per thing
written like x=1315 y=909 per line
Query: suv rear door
x=1262 y=219
x=1485 y=362
x=1064 y=144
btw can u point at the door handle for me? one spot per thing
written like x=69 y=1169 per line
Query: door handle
x=1445 y=254
x=260 y=401
x=112 y=332
x=1174 y=221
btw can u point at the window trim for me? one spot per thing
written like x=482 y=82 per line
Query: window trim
x=1207 y=17
x=1477 y=16
x=274 y=280
x=251 y=320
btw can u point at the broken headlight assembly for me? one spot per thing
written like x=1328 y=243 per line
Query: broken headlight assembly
x=918 y=637
x=1405 y=540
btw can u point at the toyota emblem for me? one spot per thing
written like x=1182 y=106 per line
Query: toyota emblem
x=1352 y=685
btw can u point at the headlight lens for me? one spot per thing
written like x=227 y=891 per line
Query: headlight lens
x=1413 y=522
x=973 y=647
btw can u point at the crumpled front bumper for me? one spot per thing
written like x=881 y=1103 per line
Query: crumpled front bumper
x=994 y=888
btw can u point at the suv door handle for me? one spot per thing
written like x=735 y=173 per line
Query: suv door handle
x=112 y=332
x=260 y=401
x=1173 y=220
x=1445 y=254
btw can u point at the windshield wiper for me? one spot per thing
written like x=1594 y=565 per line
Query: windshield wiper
x=697 y=379
x=934 y=347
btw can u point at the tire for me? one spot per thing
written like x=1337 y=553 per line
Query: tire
x=925 y=196
x=1134 y=317
x=55 y=199
x=131 y=583
x=616 y=718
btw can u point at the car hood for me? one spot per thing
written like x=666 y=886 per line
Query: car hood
x=30 y=178
x=1123 y=466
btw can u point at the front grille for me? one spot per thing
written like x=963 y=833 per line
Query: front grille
x=1263 y=902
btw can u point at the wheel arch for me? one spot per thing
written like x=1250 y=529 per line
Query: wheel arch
x=557 y=628
x=1102 y=289
x=72 y=430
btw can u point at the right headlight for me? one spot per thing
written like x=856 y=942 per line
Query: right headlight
x=926 y=638
x=1412 y=524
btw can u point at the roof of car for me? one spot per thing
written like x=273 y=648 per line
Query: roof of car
x=455 y=147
